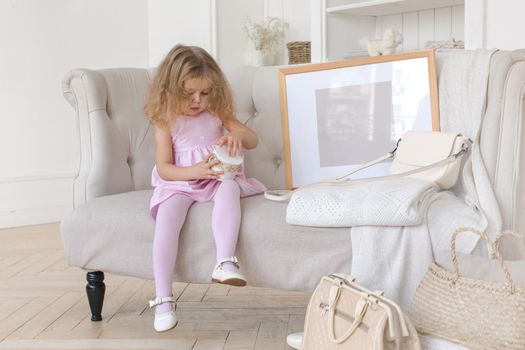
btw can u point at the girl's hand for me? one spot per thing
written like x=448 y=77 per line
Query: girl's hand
x=234 y=142
x=202 y=170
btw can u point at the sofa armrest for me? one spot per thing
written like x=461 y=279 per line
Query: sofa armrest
x=509 y=159
x=115 y=139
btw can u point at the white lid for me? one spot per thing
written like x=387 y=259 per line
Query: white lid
x=221 y=152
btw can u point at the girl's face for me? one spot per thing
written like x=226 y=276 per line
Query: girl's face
x=198 y=92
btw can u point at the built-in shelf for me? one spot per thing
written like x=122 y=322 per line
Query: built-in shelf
x=337 y=25
x=387 y=7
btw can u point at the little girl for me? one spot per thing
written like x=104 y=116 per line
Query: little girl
x=190 y=104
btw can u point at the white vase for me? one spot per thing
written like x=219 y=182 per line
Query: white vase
x=259 y=58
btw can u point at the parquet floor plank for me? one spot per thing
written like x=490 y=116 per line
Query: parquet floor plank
x=21 y=316
x=271 y=335
x=194 y=292
x=241 y=339
x=8 y=306
x=42 y=320
x=43 y=306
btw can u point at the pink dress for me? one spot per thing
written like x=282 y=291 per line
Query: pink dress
x=193 y=138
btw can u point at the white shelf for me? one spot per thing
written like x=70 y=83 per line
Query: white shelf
x=387 y=7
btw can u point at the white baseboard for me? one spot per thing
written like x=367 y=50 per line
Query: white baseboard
x=33 y=216
x=35 y=200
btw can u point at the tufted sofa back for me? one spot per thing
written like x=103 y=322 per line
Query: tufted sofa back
x=117 y=148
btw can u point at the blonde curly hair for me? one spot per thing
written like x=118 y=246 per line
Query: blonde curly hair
x=167 y=97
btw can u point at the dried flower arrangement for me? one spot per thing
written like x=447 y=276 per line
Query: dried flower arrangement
x=268 y=35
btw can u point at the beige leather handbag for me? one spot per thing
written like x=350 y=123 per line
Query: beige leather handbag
x=419 y=149
x=426 y=155
x=344 y=315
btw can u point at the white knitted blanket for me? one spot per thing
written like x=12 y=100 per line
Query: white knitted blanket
x=395 y=259
x=395 y=202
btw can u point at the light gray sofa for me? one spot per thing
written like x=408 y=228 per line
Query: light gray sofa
x=110 y=229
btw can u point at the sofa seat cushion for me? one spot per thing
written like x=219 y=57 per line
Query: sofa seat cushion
x=115 y=234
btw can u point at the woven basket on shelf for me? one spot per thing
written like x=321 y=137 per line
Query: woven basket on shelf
x=298 y=52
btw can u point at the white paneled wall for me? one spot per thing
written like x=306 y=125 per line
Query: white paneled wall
x=41 y=41
x=494 y=24
x=233 y=47
x=418 y=27
x=504 y=24
x=170 y=23
x=217 y=26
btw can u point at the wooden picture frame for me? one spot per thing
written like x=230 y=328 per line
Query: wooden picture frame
x=339 y=115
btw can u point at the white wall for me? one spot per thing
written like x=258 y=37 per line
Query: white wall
x=174 y=22
x=505 y=24
x=233 y=47
x=495 y=24
x=41 y=41
x=475 y=24
x=191 y=23
x=297 y=14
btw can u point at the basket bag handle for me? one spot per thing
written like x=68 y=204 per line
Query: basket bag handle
x=503 y=234
x=495 y=253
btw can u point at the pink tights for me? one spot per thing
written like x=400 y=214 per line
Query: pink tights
x=171 y=214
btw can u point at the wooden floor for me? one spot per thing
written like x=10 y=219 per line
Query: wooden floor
x=43 y=306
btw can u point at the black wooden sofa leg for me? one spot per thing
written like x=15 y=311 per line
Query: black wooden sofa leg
x=95 y=290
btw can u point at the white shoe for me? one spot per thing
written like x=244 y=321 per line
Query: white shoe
x=295 y=340
x=166 y=320
x=222 y=276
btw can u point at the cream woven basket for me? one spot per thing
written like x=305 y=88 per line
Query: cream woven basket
x=472 y=312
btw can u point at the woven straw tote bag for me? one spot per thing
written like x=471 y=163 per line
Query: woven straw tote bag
x=475 y=313
x=344 y=315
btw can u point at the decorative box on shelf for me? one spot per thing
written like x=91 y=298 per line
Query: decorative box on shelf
x=298 y=52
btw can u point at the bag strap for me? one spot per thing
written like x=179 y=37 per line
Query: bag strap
x=370 y=163
x=284 y=195
x=483 y=235
x=503 y=234
x=389 y=305
x=278 y=195
x=391 y=154
x=359 y=313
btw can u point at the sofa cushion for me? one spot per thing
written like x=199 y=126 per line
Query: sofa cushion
x=115 y=234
